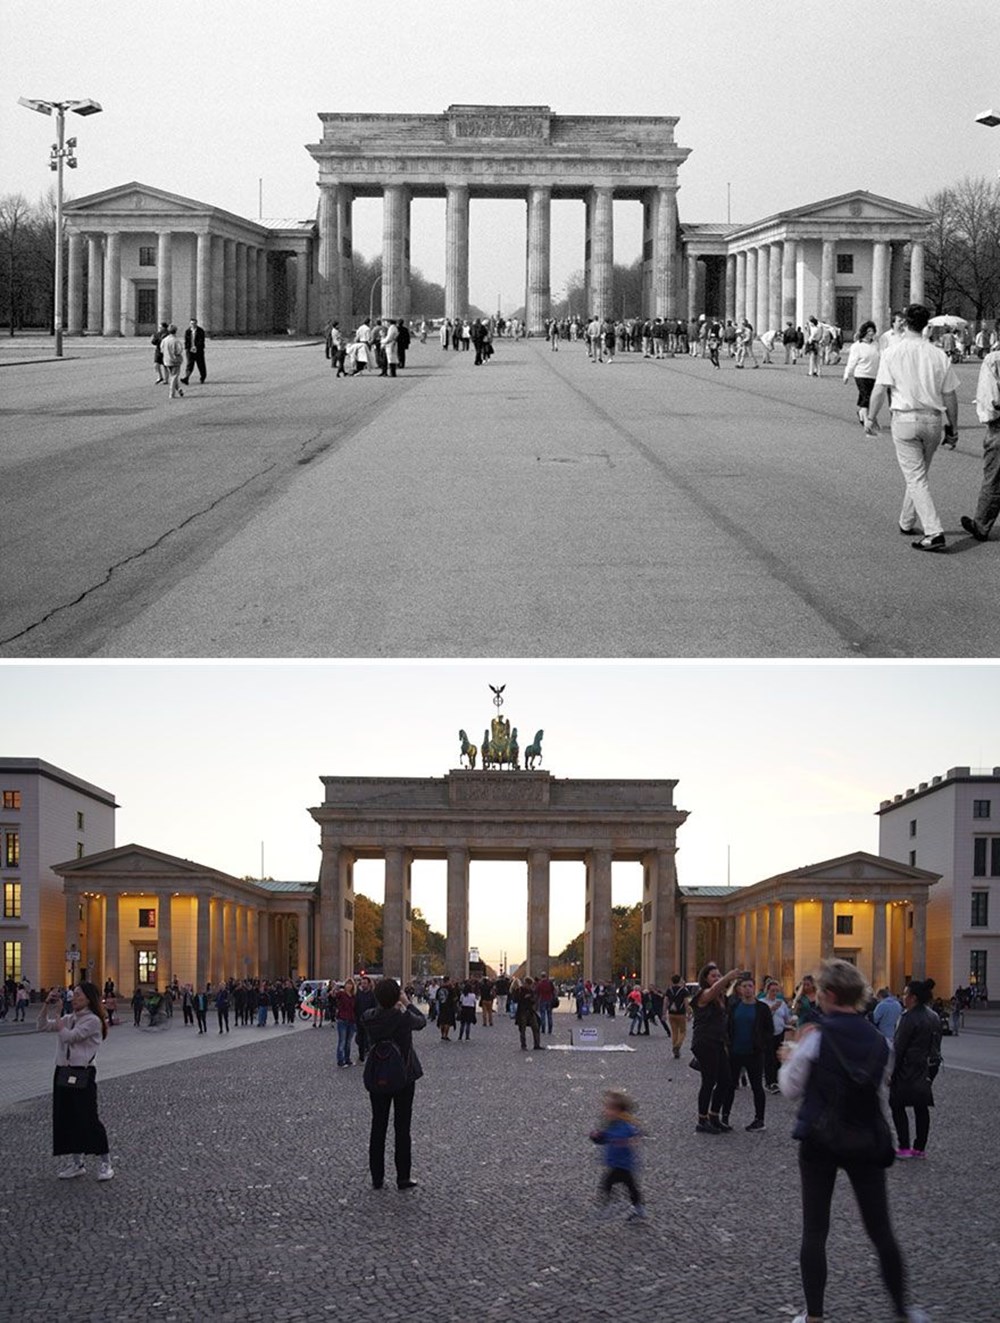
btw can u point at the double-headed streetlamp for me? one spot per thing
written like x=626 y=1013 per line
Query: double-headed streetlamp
x=61 y=151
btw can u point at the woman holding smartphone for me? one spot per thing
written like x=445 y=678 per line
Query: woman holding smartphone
x=76 y=1128
x=709 y=1045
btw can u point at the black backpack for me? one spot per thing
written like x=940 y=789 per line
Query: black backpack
x=385 y=1069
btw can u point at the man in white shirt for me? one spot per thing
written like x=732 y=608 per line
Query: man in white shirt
x=924 y=395
x=172 y=348
x=988 y=410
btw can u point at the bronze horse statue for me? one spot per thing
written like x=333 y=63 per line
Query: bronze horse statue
x=468 y=750
x=533 y=753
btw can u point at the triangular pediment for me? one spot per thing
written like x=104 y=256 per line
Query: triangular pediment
x=858 y=205
x=132 y=861
x=134 y=197
x=860 y=867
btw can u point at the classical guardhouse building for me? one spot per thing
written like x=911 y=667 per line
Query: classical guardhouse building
x=951 y=824
x=138 y=255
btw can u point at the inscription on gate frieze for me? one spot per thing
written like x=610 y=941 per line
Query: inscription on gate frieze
x=499 y=126
x=507 y=791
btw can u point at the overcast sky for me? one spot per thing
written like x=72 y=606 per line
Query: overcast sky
x=783 y=763
x=787 y=102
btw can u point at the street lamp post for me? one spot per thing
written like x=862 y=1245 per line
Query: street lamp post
x=371 y=298
x=62 y=151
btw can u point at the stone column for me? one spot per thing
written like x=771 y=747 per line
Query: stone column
x=113 y=286
x=918 y=955
x=71 y=898
x=538 y=912
x=788 y=947
x=164 y=276
x=538 y=295
x=111 y=945
x=880 y=965
x=393 y=915
x=729 y=941
x=74 y=284
x=264 y=948
x=241 y=289
x=345 y=211
x=164 y=938
x=262 y=322
x=95 y=283
x=665 y=253
x=692 y=286
x=203 y=281
x=301 y=293
x=880 y=285
x=917 y=272
x=602 y=250
x=827 y=271
x=763 y=942
x=729 y=313
x=660 y=950
x=228 y=939
x=393 y=241
x=897 y=946
x=456 y=275
x=336 y=915
x=203 y=943
x=597 y=924
x=789 y=300
x=774 y=288
x=229 y=286
x=217 y=314
x=253 y=300
x=457 y=937
x=741 y=286
x=826 y=933
x=329 y=254
x=763 y=282
x=689 y=969
x=751 y=286
x=588 y=234
x=897 y=276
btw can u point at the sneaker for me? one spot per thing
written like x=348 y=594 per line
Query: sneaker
x=755 y=1124
x=915 y=1314
x=75 y=1167
x=105 y=1171
x=636 y=1213
x=722 y=1125
x=703 y=1128
x=917 y=1153
x=904 y=1152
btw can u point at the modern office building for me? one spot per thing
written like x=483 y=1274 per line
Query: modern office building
x=46 y=814
x=951 y=825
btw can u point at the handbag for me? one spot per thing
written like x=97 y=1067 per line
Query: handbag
x=72 y=1077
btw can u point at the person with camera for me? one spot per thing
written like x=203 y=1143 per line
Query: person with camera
x=76 y=1127
x=710 y=1047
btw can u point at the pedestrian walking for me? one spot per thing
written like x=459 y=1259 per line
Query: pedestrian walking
x=838 y=1070
x=76 y=1126
x=676 y=1004
x=526 y=1015
x=201 y=1009
x=394 y=1020
x=156 y=340
x=172 y=348
x=813 y=345
x=466 y=1012
x=618 y=1135
x=862 y=363
x=780 y=1018
x=988 y=412
x=917 y=1043
x=749 y=1030
x=222 y=1007
x=138 y=1001
x=346 y=1021
x=924 y=400
x=194 y=351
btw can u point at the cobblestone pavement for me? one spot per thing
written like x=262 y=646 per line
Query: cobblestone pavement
x=241 y=1193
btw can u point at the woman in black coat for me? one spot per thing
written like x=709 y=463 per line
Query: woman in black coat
x=394 y=1018
x=917 y=1046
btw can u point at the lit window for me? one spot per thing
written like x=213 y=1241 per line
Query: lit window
x=147 y=918
x=147 y=257
x=12 y=961
x=12 y=900
x=12 y=800
x=980 y=808
x=977 y=969
x=980 y=909
x=845 y=925
x=12 y=850
x=146 y=966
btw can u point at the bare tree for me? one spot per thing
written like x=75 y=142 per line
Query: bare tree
x=15 y=226
x=963 y=249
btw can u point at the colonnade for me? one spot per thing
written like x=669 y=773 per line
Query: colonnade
x=208 y=939
x=335 y=249
x=228 y=286
x=764 y=282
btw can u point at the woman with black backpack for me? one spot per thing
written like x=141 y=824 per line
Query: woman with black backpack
x=391 y=1073
x=838 y=1069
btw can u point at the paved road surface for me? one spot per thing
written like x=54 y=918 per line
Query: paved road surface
x=540 y=506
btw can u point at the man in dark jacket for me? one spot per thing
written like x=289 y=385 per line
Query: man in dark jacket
x=194 y=350
x=750 y=1033
x=393 y=1019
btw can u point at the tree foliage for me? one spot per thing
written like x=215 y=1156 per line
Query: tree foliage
x=626 y=946
x=963 y=249
x=368 y=937
x=27 y=262
x=626 y=294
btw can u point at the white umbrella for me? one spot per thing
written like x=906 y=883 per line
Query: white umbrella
x=953 y=323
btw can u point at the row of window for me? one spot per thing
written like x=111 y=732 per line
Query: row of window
x=980 y=809
x=11 y=854
x=986 y=851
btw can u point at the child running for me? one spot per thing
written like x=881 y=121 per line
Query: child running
x=620 y=1135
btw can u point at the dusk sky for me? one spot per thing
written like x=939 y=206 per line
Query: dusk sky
x=788 y=103
x=783 y=763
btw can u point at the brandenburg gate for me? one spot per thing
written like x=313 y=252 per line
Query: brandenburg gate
x=498 y=152
x=529 y=816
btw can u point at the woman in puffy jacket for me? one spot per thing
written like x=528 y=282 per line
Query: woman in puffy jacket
x=917 y=1044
